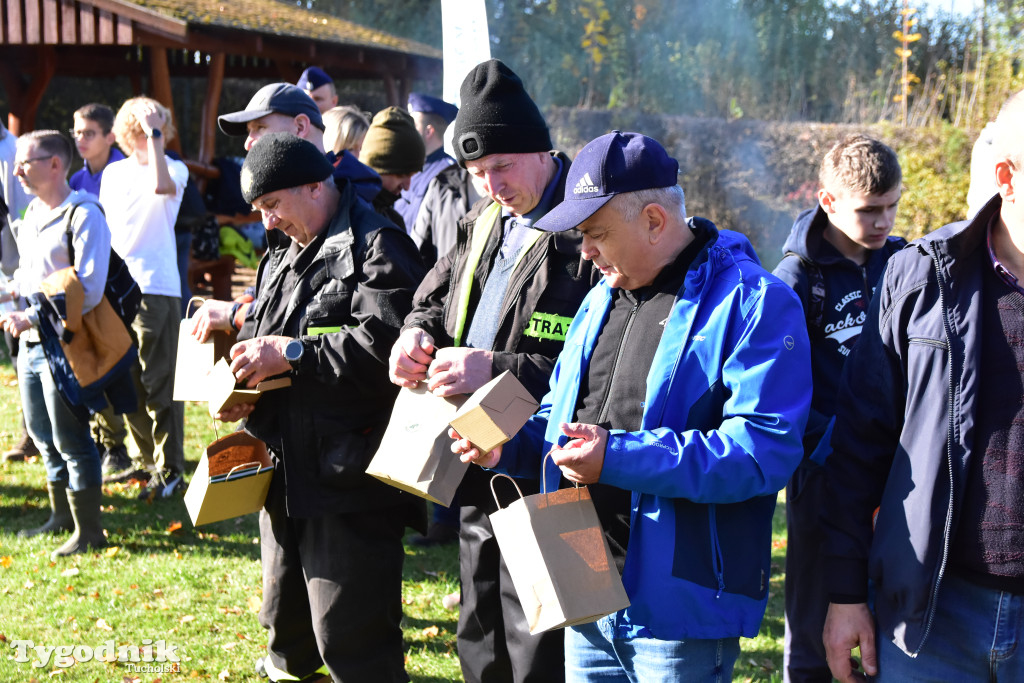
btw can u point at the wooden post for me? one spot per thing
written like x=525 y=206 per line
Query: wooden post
x=160 y=84
x=24 y=98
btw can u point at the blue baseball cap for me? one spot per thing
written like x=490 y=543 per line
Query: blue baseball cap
x=276 y=98
x=609 y=165
x=427 y=104
x=312 y=78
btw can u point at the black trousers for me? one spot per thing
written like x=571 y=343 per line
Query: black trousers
x=806 y=593
x=332 y=592
x=495 y=645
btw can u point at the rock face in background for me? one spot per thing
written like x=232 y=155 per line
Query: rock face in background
x=755 y=177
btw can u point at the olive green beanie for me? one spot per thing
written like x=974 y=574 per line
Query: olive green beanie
x=392 y=143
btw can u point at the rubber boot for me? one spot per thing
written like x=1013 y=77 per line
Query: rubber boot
x=85 y=509
x=60 y=514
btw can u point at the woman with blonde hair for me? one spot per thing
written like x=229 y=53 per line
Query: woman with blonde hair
x=344 y=129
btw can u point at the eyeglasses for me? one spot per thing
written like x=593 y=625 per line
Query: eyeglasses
x=87 y=134
x=24 y=163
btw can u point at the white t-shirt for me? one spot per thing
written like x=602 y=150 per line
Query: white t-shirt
x=142 y=223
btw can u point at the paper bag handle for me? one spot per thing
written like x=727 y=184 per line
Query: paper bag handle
x=495 y=494
x=188 y=306
x=544 y=476
x=243 y=466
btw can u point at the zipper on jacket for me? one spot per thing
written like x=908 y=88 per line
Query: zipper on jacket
x=716 y=550
x=603 y=414
x=949 y=457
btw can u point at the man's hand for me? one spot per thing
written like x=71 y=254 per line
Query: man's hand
x=458 y=370
x=259 y=358
x=468 y=453
x=236 y=413
x=212 y=315
x=410 y=357
x=582 y=458
x=16 y=322
x=846 y=627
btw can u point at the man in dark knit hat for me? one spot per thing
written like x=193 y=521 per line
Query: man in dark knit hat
x=501 y=299
x=329 y=303
x=394 y=149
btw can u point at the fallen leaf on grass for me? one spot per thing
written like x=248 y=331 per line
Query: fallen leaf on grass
x=3 y=638
x=779 y=545
x=228 y=646
x=431 y=631
x=6 y=561
x=131 y=679
x=224 y=675
x=254 y=603
x=158 y=592
x=174 y=527
x=187 y=618
x=70 y=571
x=230 y=610
x=112 y=550
x=102 y=624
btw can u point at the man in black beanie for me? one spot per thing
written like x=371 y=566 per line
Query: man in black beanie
x=329 y=304
x=502 y=299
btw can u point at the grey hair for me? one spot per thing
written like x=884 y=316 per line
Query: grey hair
x=672 y=199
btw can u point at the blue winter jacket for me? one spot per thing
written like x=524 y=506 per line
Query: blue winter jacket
x=727 y=399
x=905 y=430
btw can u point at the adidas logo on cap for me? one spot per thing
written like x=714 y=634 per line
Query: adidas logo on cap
x=585 y=185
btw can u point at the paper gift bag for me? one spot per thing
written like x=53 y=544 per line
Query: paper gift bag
x=415 y=454
x=224 y=393
x=559 y=560
x=232 y=479
x=195 y=361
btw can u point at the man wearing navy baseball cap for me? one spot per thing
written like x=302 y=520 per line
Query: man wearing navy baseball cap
x=432 y=116
x=320 y=87
x=685 y=379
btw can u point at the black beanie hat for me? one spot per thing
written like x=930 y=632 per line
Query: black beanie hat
x=278 y=161
x=496 y=116
x=392 y=143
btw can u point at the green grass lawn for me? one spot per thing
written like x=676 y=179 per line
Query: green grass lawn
x=198 y=589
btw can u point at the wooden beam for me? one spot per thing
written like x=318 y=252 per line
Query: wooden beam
x=211 y=105
x=51 y=22
x=33 y=23
x=14 y=32
x=68 y=22
x=106 y=25
x=87 y=24
x=160 y=88
x=24 y=95
x=160 y=23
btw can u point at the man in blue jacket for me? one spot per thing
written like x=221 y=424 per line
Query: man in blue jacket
x=684 y=379
x=925 y=495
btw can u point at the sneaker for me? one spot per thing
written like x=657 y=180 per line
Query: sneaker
x=115 y=461
x=163 y=485
x=25 y=448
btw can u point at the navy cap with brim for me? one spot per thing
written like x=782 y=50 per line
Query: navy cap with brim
x=276 y=98
x=608 y=166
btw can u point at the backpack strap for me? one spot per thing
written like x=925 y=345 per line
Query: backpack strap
x=67 y=227
x=814 y=307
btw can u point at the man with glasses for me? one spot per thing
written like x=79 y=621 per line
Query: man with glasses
x=94 y=137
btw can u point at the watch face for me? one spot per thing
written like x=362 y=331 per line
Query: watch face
x=293 y=351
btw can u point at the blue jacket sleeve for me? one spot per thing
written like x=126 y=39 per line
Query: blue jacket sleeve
x=765 y=385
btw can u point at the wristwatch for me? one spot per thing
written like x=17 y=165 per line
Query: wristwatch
x=157 y=133
x=293 y=351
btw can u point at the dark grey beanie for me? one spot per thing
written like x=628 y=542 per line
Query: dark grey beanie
x=496 y=116
x=278 y=161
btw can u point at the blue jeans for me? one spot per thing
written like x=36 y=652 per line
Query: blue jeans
x=974 y=637
x=593 y=654
x=66 y=445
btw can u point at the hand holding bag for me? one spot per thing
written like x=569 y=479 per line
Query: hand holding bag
x=557 y=555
